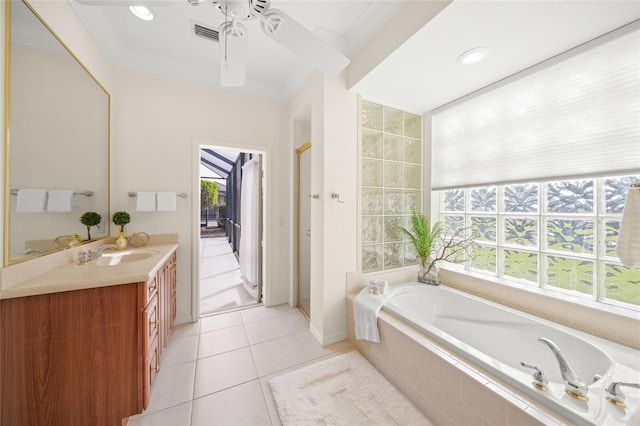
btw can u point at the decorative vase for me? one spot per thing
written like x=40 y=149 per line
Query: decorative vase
x=121 y=241
x=428 y=275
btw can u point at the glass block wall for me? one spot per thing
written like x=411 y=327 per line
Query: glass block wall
x=391 y=184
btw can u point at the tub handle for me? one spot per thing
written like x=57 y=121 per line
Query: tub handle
x=540 y=381
x=615 y=395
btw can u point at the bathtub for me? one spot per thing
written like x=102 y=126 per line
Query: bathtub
x=496 y=338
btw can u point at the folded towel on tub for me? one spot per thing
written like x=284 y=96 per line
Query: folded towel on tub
x=366 y=306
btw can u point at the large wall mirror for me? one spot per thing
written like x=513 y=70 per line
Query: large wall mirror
x=56 y=141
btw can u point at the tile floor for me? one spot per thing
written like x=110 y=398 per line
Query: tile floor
x=216 y=371
x=221 y=287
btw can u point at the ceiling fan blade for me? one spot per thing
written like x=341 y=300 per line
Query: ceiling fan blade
x=306 y=45
x=148 y=3
x=233 y=54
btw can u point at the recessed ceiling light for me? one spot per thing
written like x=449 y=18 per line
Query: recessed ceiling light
x=141 y=12
x=473 y=56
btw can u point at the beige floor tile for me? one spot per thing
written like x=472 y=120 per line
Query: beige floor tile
x=223 y=371
x=184 y=330
x=277 y=355
x=223 y=340
x=240 y=405
x=285 y=308
x=180 y=415
x=217 y=322
x=180 y=351
x=267 y=329
x=296 y=321
x=173 y=386
x=259 y=313
x=313 y=350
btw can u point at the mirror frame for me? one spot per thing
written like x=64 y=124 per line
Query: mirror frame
x=7 y=261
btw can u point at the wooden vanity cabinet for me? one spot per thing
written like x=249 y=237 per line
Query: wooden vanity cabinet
x=84 y=357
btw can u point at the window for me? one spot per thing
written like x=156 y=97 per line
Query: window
x=560 y=235
x=391 y=184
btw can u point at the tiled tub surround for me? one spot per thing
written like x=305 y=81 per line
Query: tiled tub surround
x=448 y=389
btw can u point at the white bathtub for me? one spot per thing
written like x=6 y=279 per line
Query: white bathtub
x=497 y=339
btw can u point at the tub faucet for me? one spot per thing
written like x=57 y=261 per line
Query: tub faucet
x=573 y=384
x=86 y=257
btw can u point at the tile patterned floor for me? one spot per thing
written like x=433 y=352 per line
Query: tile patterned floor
x=216 y=371
x=221 y=285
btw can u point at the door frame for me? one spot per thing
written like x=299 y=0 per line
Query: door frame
x=296 y=288
x=265 y=184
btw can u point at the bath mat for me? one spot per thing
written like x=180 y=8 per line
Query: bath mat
x=343 y=390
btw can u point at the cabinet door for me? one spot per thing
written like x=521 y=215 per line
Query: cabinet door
x=150 y=323
x=70 y=358
x=151 y=368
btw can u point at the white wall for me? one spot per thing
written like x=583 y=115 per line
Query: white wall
x=158 y=124
x=154 y=122
x=332 y=112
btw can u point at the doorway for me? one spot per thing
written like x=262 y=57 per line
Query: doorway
x=230 y=257
x=304 y=197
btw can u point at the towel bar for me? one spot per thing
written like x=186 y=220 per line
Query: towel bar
x=85 y=193
x=135 y=194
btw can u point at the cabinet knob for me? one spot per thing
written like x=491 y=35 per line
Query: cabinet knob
x=156 y=367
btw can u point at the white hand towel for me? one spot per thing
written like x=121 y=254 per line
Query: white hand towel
x=366 y=306
x=166 y=201
x=60 y=200
x=31 y=200
x=146 y=202
x=628 y=245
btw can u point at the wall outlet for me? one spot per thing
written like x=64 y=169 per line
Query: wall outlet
x=100 y=227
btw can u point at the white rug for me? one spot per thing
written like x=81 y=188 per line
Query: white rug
x=343 y=390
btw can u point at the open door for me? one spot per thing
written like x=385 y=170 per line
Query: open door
x=250 y=251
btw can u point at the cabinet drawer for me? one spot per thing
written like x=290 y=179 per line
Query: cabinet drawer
x=151 y=288
x=151 y=368
x=150 y=322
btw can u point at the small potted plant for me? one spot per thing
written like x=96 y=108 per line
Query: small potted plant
x=433 y=244
x=90 y=219
x=120 y=219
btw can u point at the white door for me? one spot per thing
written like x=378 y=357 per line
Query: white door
x=304 y=228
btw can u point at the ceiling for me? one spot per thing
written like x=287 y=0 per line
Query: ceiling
x=166 y=45
x=419 y=76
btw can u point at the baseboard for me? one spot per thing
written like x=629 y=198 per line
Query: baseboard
x=327 y=340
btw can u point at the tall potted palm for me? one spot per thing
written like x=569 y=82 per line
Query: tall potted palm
x=433 y=244
x=423 y=237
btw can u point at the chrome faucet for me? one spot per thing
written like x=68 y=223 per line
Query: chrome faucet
x=86 y=257
x=573 y=384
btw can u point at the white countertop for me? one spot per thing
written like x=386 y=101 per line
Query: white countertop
x=73 y=276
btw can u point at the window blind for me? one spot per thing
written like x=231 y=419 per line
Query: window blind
x=575 y=115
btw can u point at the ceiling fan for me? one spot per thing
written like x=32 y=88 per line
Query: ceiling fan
x=233 y=36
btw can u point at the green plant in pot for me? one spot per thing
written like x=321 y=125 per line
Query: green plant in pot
x=90 y=219
x=433 y=244
x=120 y=219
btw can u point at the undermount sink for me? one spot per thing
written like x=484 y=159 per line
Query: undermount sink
x=122 y=257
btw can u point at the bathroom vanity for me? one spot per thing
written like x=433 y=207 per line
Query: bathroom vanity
x=82 y=344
